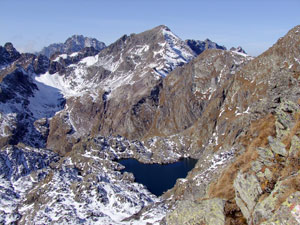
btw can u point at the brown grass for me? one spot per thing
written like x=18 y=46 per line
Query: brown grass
x=256 y=137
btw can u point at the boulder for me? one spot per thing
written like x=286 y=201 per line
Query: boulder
x=247 y=192
x=210 y=212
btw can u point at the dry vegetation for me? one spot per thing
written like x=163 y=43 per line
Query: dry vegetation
x=256 y=137
x=223 y=187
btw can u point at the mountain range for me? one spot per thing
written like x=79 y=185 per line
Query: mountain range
x=69 y=112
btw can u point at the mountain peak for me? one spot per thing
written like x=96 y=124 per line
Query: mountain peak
x=8 y=53
x=160 y=28
x=164 y=27
x=238 y=49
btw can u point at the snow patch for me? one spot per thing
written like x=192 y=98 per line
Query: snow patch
x=89 y=61
x=46 y=101
x=62 y=56
x=215 y=162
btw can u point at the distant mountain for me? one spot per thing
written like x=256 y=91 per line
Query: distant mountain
x=71 y=45
x=238 y=49
x=8 y=54
x=199 y=46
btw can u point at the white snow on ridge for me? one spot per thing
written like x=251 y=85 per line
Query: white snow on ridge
x=173 y=52
x=62 y=56
x=140 y=49
x=90 y=60
x=177 y=47
x=56 y=81
x=74 y=54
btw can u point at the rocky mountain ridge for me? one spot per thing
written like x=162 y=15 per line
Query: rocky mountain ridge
x=200 y=46
x=64 y=121
x=73 y=44
x=256 y=119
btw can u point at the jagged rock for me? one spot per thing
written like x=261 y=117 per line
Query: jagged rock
x=248 y=190
x=268 y=174
x=238 y=49
x=256 y=166
x=210 y=212
x=60 y=62
x=265 y=209
x=41 y=64
x=266 y=156
x=288 y=212
x=200 y=82
x=200 y=46
x=8 y=54
x=42 y=125
x=295 y=146
x=73 y=44
x=277 y=147
x=285 y=119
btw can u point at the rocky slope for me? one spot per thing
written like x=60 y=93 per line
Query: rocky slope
x=73 y=44
x=256 y=123
x=65 y=120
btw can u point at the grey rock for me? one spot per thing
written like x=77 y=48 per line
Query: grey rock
x=288 y=212
x=247 y=192
x=238 y=49
x=277 y=146
x=210 y=212
x=265 y=153
x=256 y=166
x=268 y=174
x=265 y=209
x=295 y=147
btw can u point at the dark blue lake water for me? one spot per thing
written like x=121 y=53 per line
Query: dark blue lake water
x=156 y=177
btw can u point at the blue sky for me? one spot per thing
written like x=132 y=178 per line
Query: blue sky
x=255 y=25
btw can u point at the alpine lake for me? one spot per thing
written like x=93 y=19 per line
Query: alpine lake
x=158 y=178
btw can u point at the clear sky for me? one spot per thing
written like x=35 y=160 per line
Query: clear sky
x=253 y=24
